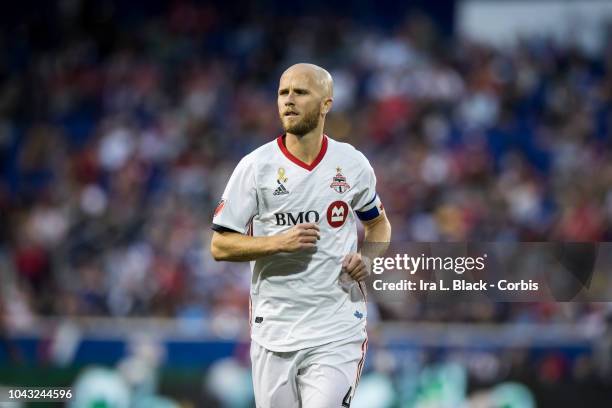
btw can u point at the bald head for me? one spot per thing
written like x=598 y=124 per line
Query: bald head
x=304 y=98
x=319 y=77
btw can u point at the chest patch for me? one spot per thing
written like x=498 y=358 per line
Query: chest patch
x=337 y=212
x=339 y=183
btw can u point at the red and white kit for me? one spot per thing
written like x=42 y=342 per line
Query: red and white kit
x=307 y=326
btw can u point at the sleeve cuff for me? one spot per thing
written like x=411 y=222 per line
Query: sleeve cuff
x=221 y=228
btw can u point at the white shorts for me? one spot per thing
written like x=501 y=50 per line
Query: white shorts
x=325 y=376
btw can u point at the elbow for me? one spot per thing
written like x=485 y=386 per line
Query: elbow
x=216 y=254
x=216 y=251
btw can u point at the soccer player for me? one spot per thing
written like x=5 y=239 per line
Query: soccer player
x=290 y=207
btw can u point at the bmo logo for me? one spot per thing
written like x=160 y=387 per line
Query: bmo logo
x=337 y=213
x=294 y=219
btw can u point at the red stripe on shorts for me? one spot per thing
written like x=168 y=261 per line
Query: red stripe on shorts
x=364 y=349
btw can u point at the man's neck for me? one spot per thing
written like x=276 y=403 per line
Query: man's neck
x=306 y=147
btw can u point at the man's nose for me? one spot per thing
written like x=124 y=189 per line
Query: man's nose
x=290 y=100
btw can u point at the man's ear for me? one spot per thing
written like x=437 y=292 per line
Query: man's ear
x=327 y=105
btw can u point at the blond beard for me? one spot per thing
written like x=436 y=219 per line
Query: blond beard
x=308 y=123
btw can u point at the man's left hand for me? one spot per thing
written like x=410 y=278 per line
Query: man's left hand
x=354 y=265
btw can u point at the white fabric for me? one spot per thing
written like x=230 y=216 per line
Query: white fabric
x=297 y=301
x=325 y=376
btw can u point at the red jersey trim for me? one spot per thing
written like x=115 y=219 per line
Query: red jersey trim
x=309 y=167
x=364 y=350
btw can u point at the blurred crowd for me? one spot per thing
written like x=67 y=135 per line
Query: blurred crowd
x=117 y=137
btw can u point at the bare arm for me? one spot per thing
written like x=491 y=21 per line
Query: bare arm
x=236 y=247
x=378 y=230
x=378 y=233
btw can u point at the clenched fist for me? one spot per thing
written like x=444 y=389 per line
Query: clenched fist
x=300 y=237
x=355 y=266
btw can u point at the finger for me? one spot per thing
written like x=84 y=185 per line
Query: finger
x=310 y=233
x=309 y=240
x=354 y=271
x=363 y=274
x=315 y=231
x=354 y=262
x=360 y=274
x=349 y=260
x=308 y=226
x=361 y=277
x=345 y=261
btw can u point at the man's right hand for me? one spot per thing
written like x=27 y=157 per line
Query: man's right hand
x=300 y=237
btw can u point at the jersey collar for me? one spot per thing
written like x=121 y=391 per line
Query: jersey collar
x=309 y=167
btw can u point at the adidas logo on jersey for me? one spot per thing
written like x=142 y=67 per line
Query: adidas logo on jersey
x=280 y=190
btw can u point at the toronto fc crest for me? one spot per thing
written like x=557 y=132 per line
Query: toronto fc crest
x=339 y=182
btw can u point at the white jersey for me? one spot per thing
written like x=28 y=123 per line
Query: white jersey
x=297 y=300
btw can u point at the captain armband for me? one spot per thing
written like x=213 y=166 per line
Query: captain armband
x=371 y=210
